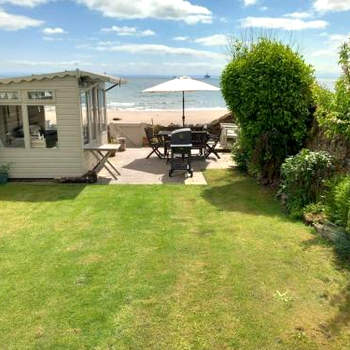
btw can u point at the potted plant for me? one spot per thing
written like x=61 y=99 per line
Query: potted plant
x=4 y=173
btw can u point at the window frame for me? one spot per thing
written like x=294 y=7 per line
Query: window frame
x=16 y=100
x=85 y=93
x=35 y=100
x=23 y=119
x=28 y=125
x=24 y=102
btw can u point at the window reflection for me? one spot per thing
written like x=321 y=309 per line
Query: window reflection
x=11 y=127
x=42 y=126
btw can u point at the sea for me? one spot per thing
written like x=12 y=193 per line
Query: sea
x=130 y=96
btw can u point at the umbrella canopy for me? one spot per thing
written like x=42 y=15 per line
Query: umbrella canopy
x=182 y=84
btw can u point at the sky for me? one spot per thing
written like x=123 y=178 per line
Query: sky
x=162 y=37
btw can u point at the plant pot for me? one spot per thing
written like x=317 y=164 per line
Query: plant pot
x=3 y=178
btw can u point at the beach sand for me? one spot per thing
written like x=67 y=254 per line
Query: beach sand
x=165 y=117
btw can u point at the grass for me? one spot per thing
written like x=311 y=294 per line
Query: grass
x=165 y=267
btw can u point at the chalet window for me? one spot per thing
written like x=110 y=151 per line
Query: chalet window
x=40 y=95
x=102 y=109
x=85 y=116
x=8 y=95
x=93 y=113
x=11 y=127
x=42 y=126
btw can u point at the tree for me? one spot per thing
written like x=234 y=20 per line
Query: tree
x=268 y=87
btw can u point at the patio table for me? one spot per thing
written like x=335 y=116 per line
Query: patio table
x=102 y=153
x=165 y=135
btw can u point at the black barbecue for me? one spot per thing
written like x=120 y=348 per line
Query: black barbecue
x=180 y=149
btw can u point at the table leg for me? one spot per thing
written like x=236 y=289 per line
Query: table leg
x=109 y=163
x=102 y=162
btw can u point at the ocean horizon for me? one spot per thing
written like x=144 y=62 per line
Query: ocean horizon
x=130 y=97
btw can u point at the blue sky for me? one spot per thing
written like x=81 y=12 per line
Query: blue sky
x=161 y=37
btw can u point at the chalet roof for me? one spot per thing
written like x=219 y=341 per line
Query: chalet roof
x=74 y=73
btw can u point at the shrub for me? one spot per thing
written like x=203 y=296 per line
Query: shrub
x=239 y=155
x=333 y=109
x=303 y=178
x=338 y=202
x=269 y=88
x=4 y=168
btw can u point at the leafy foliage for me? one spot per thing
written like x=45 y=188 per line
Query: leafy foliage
x=269 y=88
x=4 y=168
x=239 y=155
x=333 y=109
x=303 y=178
x=338 y=202
x=344 y=59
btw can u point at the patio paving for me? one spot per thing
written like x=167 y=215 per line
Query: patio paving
x=134 y=168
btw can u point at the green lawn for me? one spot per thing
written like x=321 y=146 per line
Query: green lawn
x=165 y=267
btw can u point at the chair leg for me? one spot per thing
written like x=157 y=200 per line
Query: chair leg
x=159 y=154
x=153 y=150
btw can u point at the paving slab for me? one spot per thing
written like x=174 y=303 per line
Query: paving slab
x=134 y=168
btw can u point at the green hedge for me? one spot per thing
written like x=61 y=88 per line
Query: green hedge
x=338 y=202
x=268 y=87
x=303 y=179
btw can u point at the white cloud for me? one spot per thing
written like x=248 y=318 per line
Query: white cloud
x=332 y=5
x=324 y=53
x=181 y=38
x=281 y=23
x=300 y=15
x=53 y=31
x=16 y=22
x=50 y=38
x=250 y=2
x=156 y=49
x=108 y=43
x=331 y=46
x=177 y=10
x=147 y=32
x=26 y=3
x=212 y=40
x=338 y=39
x=49 y=63
x=128 y=31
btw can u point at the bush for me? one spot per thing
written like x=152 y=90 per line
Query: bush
x=338 y=202
x=269 y=89
x=333 y=109
x=303 y=179
x=239 y=156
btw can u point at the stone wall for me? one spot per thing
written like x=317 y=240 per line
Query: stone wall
x=337 y=146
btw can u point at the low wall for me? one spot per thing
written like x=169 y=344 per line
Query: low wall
x=337 y=146
x=133 y=132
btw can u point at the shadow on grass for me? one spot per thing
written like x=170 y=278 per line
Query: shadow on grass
x=14 y=192
x=341 y=300
x=235 y=192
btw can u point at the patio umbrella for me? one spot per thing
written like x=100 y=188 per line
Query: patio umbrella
x=182 y=84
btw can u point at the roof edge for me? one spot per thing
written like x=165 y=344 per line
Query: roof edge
x=73 y=73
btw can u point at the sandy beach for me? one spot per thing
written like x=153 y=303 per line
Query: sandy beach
x=165 y=117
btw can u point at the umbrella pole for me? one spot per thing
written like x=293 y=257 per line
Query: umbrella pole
x=183 y=108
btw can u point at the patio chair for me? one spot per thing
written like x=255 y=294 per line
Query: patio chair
x=154 y=142
x=199 y=141
x=212 y=142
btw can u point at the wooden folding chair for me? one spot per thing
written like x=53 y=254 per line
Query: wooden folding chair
x=212 y=142
x=155 y=143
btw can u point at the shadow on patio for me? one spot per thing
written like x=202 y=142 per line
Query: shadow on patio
x=134 y=168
